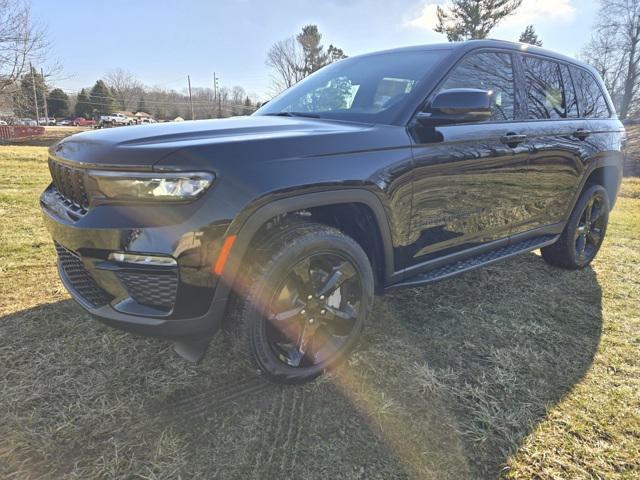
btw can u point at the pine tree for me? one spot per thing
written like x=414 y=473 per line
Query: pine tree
x=101 y=99
x=83 y=105
x=530 y=36
x=313 y=52
x=58 y=103
x=335 y=53
x=24 y=102
x=473 y=19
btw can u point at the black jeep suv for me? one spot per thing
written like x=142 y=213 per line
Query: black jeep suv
x=381 y=171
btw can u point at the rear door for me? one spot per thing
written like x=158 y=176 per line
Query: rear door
x=553 y=137
x=468 y=178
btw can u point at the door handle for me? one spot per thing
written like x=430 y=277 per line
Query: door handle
x=581 y=133
x=512 y=139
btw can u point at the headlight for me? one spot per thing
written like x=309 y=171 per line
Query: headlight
x=152 y=186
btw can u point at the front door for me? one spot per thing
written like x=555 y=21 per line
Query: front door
x=468 y=183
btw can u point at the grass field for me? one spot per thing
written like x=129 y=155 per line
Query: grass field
x=517 y=370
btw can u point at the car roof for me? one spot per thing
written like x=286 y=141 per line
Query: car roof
x=469 y=45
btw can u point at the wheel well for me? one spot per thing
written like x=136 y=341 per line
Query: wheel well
x=609 y=178
x=354 y=219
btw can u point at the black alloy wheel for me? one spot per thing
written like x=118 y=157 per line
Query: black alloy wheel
x=307 y=294
x=591 y=227
x=584 y=232
x=314 y=312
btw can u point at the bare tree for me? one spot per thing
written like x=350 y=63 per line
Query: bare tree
x=21 y=42
x=614 y=50
x=125 y=87
x=286 y=59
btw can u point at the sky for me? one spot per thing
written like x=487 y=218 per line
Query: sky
x=161 y=41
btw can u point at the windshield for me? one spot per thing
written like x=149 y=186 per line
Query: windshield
x=370 y=88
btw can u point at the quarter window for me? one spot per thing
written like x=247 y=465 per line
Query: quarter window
x=487 y=71
x=544 y=89
x=590 y=97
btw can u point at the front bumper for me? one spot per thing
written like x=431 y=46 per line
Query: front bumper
x=175 y=302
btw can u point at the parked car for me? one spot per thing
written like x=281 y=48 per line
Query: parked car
x=382 y=171
x=65 y=122
x=2 y=122
x=83 y=122
x=27 y=122
x=47 y=121
x=115 y=119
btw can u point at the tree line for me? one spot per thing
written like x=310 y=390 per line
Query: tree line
x=120 y=91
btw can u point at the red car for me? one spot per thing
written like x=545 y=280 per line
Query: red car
x=83 y=122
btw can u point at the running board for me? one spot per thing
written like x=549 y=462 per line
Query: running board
x=456 y=268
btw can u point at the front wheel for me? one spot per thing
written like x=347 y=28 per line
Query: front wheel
x=584 y=232
x=307 y=301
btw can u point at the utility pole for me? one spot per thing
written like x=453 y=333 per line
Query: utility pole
x=215 y=87
x=35 y=94
x=190 y=99
x=44 y=95
x=219 y=99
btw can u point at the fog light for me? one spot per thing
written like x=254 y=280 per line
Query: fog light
x=143 y=259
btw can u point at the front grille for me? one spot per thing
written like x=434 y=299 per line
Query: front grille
x=69 y=182
x=80 y=279
x=151 y=289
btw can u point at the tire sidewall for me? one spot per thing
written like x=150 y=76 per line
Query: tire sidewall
x=275 y=272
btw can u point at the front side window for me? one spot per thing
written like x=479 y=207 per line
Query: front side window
x=487 y=71
x=544 y=89
x=590 y=97
x=371 y=88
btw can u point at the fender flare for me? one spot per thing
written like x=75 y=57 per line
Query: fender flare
x=247 y=229
x=606 y=161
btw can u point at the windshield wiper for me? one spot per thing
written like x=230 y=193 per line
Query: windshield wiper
x=294 y=114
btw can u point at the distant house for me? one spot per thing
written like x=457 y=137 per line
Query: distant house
x=142 y=115
x=178 y=119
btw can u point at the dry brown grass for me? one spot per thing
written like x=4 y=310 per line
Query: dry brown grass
x=518 y=369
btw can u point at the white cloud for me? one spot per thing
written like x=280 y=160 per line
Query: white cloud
x=427 y=18
x=529 y=12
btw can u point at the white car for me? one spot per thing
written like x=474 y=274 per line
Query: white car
x=115 y=119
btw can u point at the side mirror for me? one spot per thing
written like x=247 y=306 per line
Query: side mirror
x=457 y=105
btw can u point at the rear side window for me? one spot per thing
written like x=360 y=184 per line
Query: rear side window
x=487 y=71
x=590 y=98
x=544 y=89
x=570 y=98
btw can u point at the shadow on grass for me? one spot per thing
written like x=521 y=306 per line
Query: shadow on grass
x=448 y=381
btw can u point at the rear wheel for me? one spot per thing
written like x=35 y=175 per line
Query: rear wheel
x=584 y=232
x=308 y=299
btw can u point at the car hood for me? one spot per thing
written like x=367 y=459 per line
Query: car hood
x=164 y=144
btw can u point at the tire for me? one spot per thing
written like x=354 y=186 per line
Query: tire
x=285 y=325
x=583 y=234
